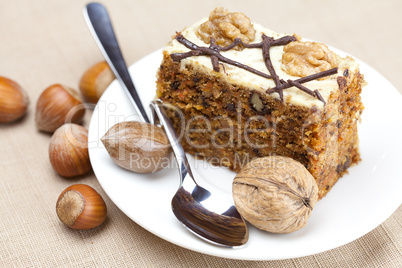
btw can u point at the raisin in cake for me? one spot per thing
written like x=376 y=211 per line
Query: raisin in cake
x=241 y=91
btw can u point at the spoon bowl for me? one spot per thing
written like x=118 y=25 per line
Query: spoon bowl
x=225 y=228
x=207 y=215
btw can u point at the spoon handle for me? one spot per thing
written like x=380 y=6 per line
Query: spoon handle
x=99 y=24
x=182 y=162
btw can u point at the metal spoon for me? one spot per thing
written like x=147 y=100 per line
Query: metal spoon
x=98 y=21
x=208 y=216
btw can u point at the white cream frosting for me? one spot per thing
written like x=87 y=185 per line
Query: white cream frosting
x=253 y=58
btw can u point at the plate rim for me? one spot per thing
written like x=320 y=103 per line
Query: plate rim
x=232 y=256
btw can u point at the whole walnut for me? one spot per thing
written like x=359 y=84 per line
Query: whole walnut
x=275 y=193
x=225 y=27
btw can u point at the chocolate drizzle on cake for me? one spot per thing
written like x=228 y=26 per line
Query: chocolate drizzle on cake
x=213 y=51
x=298 y=83
x=267 y=42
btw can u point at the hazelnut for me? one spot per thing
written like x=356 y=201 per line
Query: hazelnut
x=13 y=101
x=275 y=193
x=138 y=147
x=95 y=81
x=81 y=207
x=57 y=105
x=68 y=150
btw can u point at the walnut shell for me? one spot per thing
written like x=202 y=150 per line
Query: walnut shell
x=275 y=193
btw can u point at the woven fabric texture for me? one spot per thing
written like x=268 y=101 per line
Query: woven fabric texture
x=44 y=42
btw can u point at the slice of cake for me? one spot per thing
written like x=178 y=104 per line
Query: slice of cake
x=241 y=91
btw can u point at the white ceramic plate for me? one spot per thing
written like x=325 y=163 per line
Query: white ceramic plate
x=358 y=203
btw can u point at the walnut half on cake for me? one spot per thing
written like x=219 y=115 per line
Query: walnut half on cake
x=242 y=91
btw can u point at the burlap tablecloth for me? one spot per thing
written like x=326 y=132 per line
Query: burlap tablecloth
x=45 y=42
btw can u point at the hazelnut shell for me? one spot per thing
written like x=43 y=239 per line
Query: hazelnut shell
x=13 y=101
x=68 y=150
x=56 y=106
x=79 y=206
x=95 y=81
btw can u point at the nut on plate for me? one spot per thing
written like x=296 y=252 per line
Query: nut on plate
x=68 y=150
x=275 y=193
x=80 y=207
x=13 y=100
x=95 y=80
x=57 y=105
x=139 y=147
